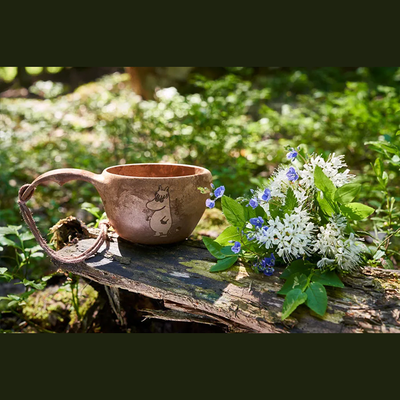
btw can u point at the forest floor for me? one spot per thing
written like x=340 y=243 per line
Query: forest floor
x=53 y=310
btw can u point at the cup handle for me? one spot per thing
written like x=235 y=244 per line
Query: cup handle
x=61 y=176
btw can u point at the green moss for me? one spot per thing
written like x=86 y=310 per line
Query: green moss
x=336 y=317
x=163 y=271
x=46 y=308
x=207 y=294
x=87 y=297
x=202 y=267
x=122 y=260
x=53 y=306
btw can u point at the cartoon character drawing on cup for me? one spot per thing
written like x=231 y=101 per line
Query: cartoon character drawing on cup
x=160 y=221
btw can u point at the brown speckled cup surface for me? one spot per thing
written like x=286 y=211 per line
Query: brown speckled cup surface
x=155 y=203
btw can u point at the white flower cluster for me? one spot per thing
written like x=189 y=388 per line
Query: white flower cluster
x=279 y=184
x=298 y=234
x=333 y=245
x=330 y=168
x=291 y=236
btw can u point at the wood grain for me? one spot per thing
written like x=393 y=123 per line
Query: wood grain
x=240 y=299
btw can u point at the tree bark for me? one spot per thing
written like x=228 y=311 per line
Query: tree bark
x=239 y=298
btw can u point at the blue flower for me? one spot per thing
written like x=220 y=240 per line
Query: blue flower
x=270 y=261
x=219 y=192
x=266 y=195
x=212 y=186
x=266 y=265
x=292 y=174
x=257 y=222
x=268 y=271
x=236 y=247
x=253 y=203
x=249 y=237
x=210 y=203
x=292 y=154
x=265 y=228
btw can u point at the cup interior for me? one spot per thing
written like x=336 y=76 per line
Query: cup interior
x=156 y=170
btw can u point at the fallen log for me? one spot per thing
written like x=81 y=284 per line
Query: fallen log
x=238 y=299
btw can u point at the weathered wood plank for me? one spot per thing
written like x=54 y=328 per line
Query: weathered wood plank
x=242 y=300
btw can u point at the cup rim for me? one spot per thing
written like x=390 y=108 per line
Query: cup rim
x=204 y=171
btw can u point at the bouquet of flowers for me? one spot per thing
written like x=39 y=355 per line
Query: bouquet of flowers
x=301 y=219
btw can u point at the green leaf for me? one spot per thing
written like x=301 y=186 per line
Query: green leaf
x=213 y=247
x=34 y=249
x=275 y=211
x=378 y=254
x=5 y=275
x=317 y=299
x=233 y=211
x=323 y=183
x=7 y=242
x=295 y=267
x=92 y=209
x=328 y=278
x=395 y=159
x=12 y=297
x=230 y=233
x=326 y=205
x=10 y=230
x=347 y=193
x=25 y=295
x=38 y=254
x=38 y=286
x=227 y=251
x=249 y=212
x=26 y=236
x=203 y=190
x=224 y=264
x=356 y=211
x=389 y=147
x=378 y=167
x=13 y=303
x=349 y=229
x=387 y=264
x=380 y=173
x=381 y=146
x=293 y=299
x=297 y=280
x=384 y=180
x=17 y=300
x=260 y=212
x=290 y=202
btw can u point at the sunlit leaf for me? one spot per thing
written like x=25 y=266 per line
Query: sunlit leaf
x=230 y=233
x=223 y=264
x=293 y=299
x=356 y=211
x=317 y=299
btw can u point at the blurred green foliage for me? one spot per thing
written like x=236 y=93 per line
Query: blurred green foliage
x=237 y=126
x=8 y=74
